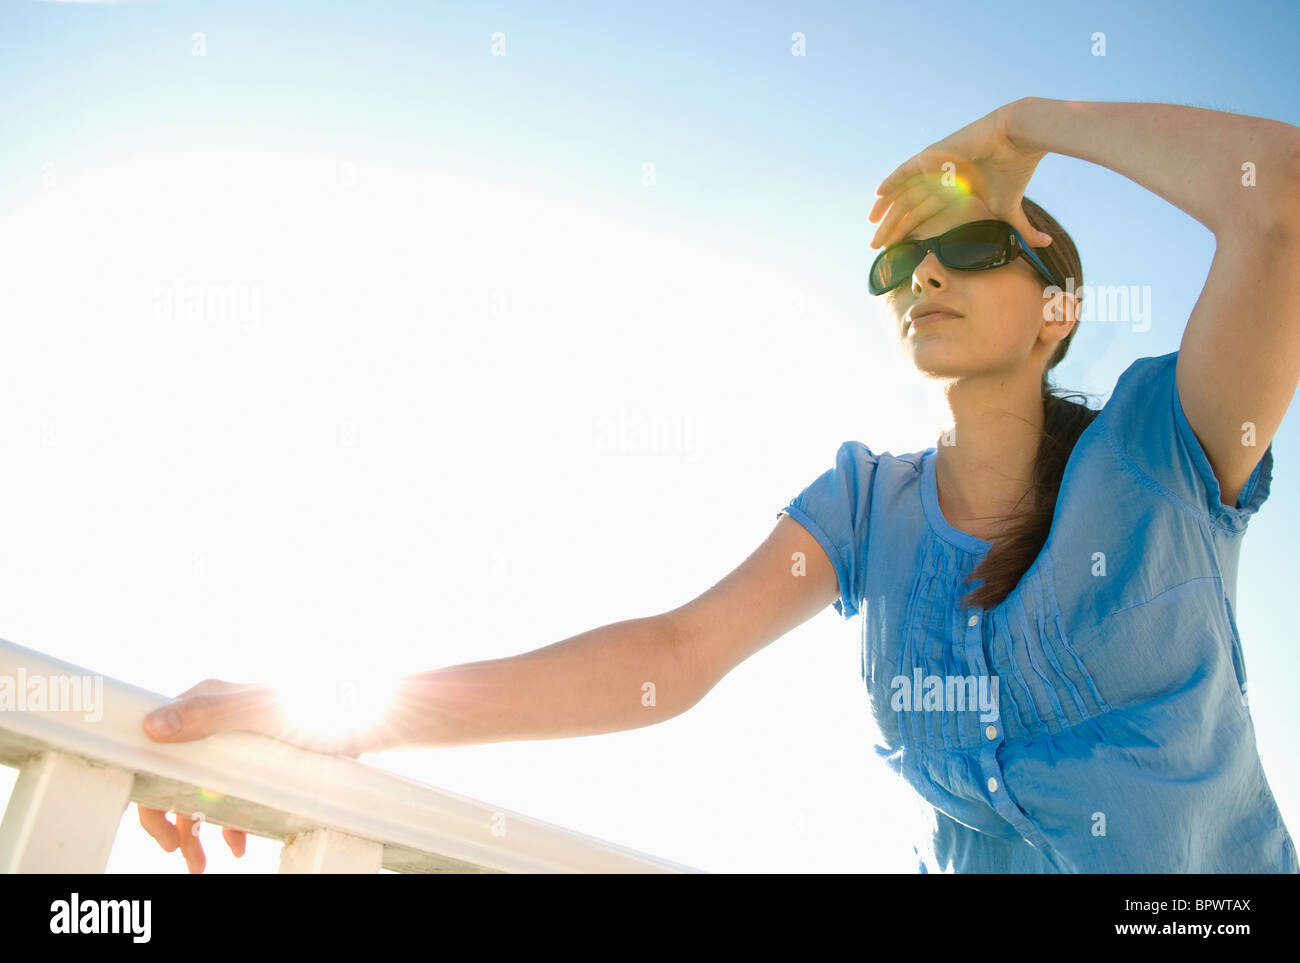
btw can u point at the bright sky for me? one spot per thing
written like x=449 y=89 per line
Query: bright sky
x=443 y=290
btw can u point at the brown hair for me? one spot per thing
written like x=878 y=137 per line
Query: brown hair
x=1063 y=421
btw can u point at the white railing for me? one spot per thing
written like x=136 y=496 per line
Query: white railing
x=334 y=815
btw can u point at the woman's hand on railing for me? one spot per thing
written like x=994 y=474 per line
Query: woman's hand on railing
x=214 y=706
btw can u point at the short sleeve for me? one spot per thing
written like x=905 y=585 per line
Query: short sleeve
x=1145 y=422
x=834 y=510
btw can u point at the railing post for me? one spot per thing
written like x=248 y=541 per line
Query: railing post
x=329 y=851
x=63 y=815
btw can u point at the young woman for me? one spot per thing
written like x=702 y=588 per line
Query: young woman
x=1047 y=594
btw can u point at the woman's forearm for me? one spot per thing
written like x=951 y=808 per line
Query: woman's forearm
x=1192 y=157
x=621 y=676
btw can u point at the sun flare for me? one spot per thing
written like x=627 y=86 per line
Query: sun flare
x=334 y=705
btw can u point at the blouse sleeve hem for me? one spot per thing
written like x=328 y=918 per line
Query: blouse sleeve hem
x=844 y=605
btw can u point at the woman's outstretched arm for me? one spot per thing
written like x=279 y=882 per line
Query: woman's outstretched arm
x=620 y=676
x=1239 y=360
x=1192 y=157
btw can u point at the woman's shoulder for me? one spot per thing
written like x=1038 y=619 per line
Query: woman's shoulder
x=861 y=453
x=1144 y=425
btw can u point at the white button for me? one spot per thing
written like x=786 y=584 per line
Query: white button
x=993 y=784
x=991 y=732
x=973 y=620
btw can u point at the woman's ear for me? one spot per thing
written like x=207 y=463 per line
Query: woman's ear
x=1070 y=308
x=1061 y=308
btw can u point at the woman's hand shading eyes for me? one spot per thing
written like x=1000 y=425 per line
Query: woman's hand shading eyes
x=980 y=159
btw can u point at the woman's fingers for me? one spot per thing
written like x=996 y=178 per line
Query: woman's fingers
x=236 y=839
x=156 y=825
x=171 y=837
x=912 y=210
x=899 y=211
x=902 y=203
x=883 y=201
x=1033 y=237
x=199 y=713
x=182 y=835
x=926 y=167
x=191 y=848
x=1011 y=210
x=928 y=177
x=901 y=174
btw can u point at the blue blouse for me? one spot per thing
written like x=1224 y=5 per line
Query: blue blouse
x=1095 y=721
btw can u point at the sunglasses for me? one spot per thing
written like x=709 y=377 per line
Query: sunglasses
x=977 y=246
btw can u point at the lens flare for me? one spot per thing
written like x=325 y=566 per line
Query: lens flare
x=320 y=704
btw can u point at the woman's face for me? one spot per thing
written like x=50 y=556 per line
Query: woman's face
x=1001 y=326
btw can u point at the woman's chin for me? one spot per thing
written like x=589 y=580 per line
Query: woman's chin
x=932 y=357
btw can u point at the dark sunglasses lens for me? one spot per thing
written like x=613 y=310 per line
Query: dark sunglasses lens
x=976 y=246
x=892 y=267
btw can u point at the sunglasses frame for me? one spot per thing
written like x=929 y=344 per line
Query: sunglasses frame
x=1016 y=243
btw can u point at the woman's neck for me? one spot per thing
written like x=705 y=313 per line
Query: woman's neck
x=984 y=464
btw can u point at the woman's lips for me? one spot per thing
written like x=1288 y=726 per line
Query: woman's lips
x=927 y=319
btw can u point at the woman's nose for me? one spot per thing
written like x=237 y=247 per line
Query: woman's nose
x=930 y=271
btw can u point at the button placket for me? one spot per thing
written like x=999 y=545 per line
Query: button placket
x=994 y=736
x=974 y=646
x=992 y=733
